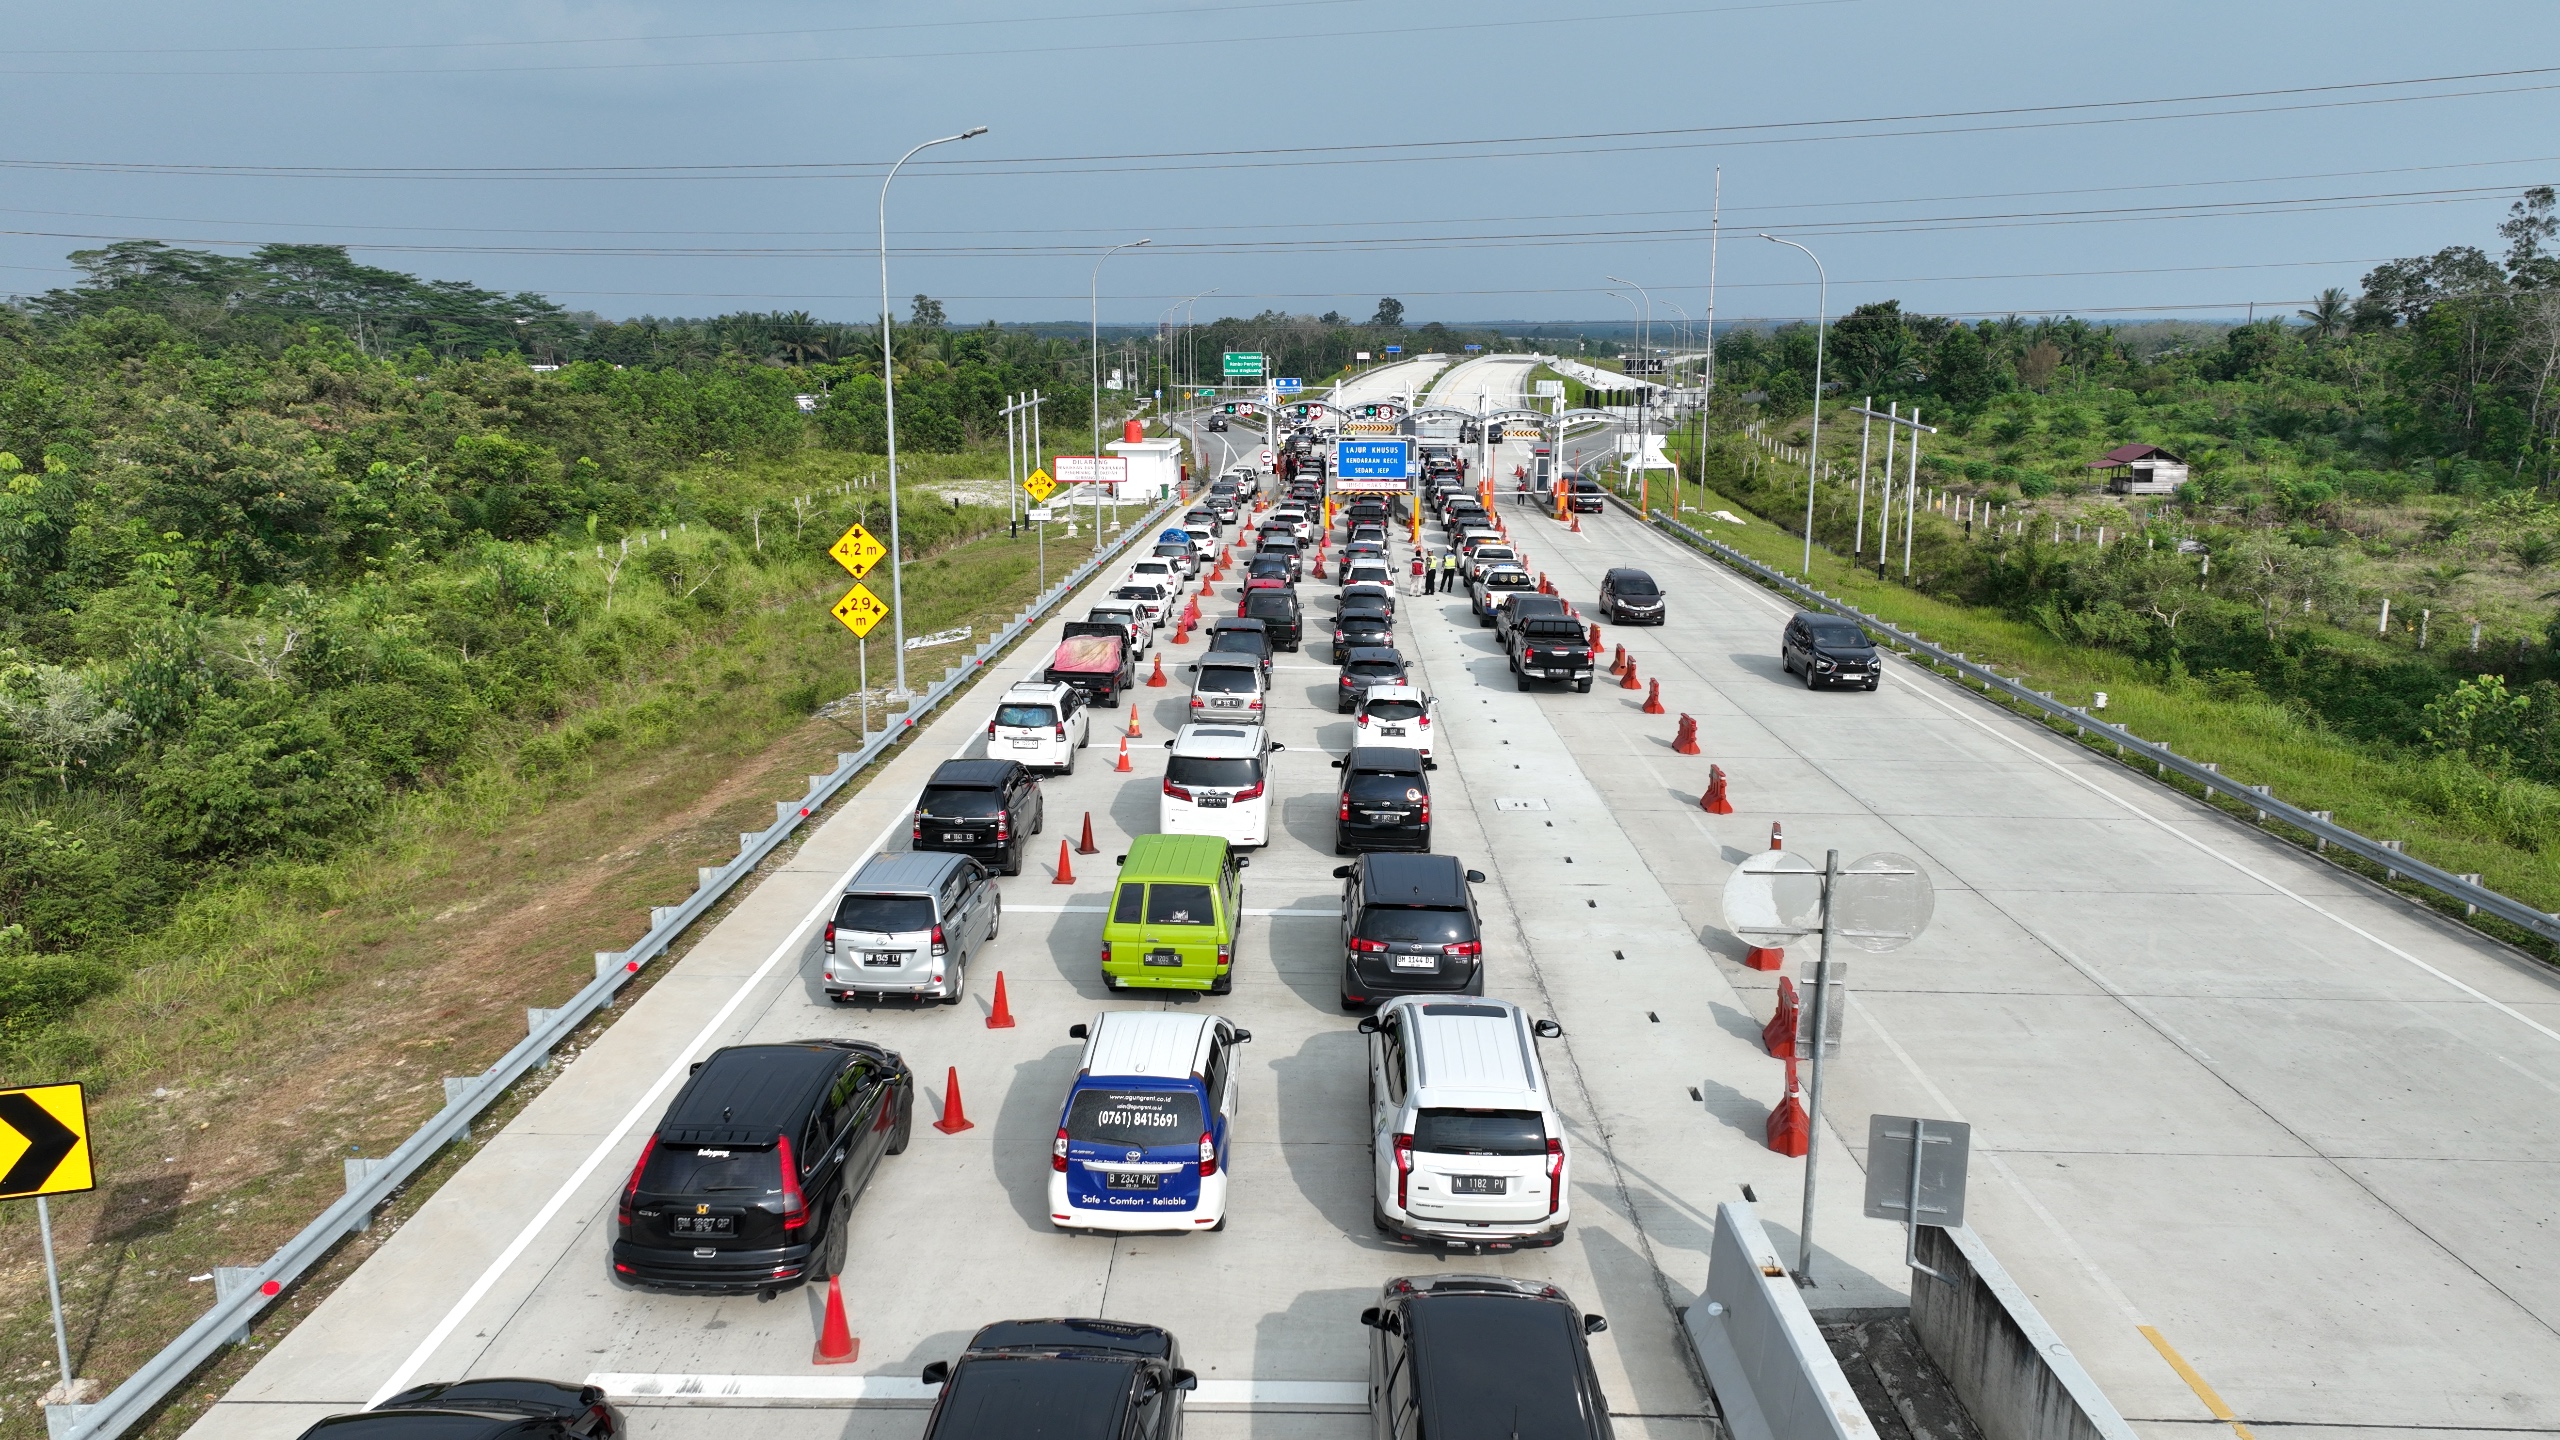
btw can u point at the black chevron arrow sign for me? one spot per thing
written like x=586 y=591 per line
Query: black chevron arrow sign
x=49 y=1142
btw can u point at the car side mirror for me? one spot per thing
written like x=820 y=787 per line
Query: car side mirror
x=1475 y=877
x=1371 y=1316
x=1548 y=1030
x=1368 y=1024
x=936 y=1373
x=1168 y=744
x=696 y=1067
x=1278 y=746
x=1079 y=1031
x=1430 y=764
x=1594 y=1324
x=1244 y=862
x=1119 y=859
x=1186 y=1380
x=1341 y=872
x=1241 y=1037
x=1337 y=764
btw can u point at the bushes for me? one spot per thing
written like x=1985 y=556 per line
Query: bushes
x=256 y=775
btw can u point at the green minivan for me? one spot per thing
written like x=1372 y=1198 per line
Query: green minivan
x=1172 y=924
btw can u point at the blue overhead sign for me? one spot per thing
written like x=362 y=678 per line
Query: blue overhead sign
x=1473 y=349
x=1288 y=385
x=1372 y=460
x=1395 y=349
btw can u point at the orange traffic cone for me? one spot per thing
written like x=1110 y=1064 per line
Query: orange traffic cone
x=954 y=1119
x=1777 y=836
x=1715 y=801
x=1653 y=706
x=1123 y=766
x=1629 y=681
x=1618 y=662
x=1577 y=522
x=836 y=1345
x=1001 y=1017
x=1155 y=680
x=1595 y=638
x=1181 y=635
x=1134 y=731
x=1790 y=1131
x=1086 y=846
x=1066 y=867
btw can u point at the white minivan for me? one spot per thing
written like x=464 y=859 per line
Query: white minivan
x=1217 y=782
x=1040 y=724
x=1468 y=1145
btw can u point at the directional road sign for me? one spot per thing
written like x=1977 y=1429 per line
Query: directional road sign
x=859 y=610
x=856 y=551
x=1040 y=486
x=1395 y=349
x=1372 y=460
x=44 y=1142
x=1288 y=385
x=1245 y=363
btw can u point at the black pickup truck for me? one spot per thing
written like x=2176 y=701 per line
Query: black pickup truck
x=1551 y=648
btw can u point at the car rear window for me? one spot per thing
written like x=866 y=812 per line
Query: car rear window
x=1053 y=1399
x=1480 y=1132
x=1395 y=709
x=1179 y=905
x=1506 y=580
x=1271 y=605
x=1379 y=787
x=1372 y=669
x=891 y=913
x=1551 y=627
x=1414 y=925
x=1637 y=586
x=952 y=800
x=1026 y=716
x=1229 y=679
x=1135 y=1117
x=712 y=1170
x=1210 y=770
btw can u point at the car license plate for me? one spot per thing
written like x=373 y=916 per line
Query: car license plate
x=1228 y=702
x=1026 y=744
x=1213 y=802
x=1381 y=817
x=1123 y=1180
x=1163 y=957
x=1479 y=1184
x=1417 y=962
x=1396 y=731
x=706 y=1225
x=884 y=957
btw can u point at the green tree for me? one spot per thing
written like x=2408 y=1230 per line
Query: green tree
x=1390 y=314
x=64 y=717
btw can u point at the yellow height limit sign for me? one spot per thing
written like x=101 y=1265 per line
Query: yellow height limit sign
x=1040 y=487
x=859 y=610
x=44 y=1142
x=857 y=551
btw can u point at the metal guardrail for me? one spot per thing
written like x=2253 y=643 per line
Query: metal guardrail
x=240 y=1293
x=2394 y=861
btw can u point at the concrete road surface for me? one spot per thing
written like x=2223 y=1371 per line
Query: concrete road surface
x=1487 y=382
x=1389 y=382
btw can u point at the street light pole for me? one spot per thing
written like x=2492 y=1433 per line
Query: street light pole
x=889 y=406
x=1813 y=453
x=1094 y=301
x=1639 y=451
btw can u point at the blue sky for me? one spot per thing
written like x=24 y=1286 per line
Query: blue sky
x=1495 y=159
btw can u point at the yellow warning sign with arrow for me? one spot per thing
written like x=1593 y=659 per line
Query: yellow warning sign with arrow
x=857 y=551
x=44 y=1142
x=859 y=610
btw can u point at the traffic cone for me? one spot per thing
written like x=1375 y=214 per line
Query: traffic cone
x=836 y=1345
x=1595 y=638
x=1790 y=1131
x=1653 y=706
x=1066 y=867
x=1155 y=680
x=1629 y=681
x=1134 y=732
x=1777 y=836
x=1618 y=661
x=1577 y=522
x=954 y=1119
x=1181 y=635
x=1715 y=802
x=1086 y=846
x=1765 y=957
x=1001 y=1017
x=1779 y=1035
x=1123 y=766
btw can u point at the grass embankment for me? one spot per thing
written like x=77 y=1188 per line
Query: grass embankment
x=294 y=1014
x=2448 y=814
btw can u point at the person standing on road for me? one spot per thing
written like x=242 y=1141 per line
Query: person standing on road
x=1420 y=561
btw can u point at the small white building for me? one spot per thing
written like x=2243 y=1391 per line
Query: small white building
x=1155 y=468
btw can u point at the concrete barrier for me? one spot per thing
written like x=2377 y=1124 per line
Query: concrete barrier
x=1774 y=1375
x=2013 y=1373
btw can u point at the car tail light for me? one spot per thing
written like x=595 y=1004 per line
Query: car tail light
x=1004 y=826
x=938 y=946
x=1426 y=722
x=1463 y=949
x=918 y=835
x=991 y=729
x=1368 y=947
x=1404 y=1167
x=1062 y=730
x=1426 y=810
x=1345 y=813
x=1058 y=1152
x=1106 y=952
x=1555 y=1173
x=1253 y=705
x=1226 y=956
x=795 y=1208
x=631 y=1191
x=1364 y=717
x=1197 y=703
x=1176 y=792
x=1250 y=792
x=1208 y=1156
x=831 y=937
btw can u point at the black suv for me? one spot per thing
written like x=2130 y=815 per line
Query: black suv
x=1385 y=801
x=1363 y=667
x=1827 y=650
x=748 y=1182
x=1553 y=648
x=987 y=809
x=1282 y=620
x=1361 y=627
x=494 y=1408
x=1102 y=1379
x=1248 y=636
x=1409 y=927
x=1482 y=1355
x=1629 y=597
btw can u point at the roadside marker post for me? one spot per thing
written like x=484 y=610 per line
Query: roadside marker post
x=44 y=1138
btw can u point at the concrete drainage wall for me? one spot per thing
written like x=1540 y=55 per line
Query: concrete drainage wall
x=1773 y=1374
x=2013 y=1373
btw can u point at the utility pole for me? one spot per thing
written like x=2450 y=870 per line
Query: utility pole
x=1813 y=450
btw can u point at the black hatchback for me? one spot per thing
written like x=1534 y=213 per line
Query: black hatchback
x=1363 y=667
x=1409 y=927
x=1384 y=802
x=1072 y=1379
x=985 y=809
x=1827 y=650
x=1483 y=1355
x=748 y=1182
x=1361 y=627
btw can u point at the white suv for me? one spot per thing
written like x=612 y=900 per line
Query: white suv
x=1470 y=1149
x=1218 y=782
x=1142 y=631
x=1041 y=725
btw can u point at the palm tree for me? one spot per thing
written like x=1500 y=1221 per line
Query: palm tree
x=2329 y=314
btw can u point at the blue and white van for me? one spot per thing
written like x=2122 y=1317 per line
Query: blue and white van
x=1144 y=1135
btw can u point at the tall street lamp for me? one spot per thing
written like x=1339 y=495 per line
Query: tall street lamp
x=1636 y=315
x=889 y=407
x=1094 y=300
x=1813 y=454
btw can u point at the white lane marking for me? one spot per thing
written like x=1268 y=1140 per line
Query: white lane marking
x=907 y=1391
x=551 y=1208
x=1012 y=909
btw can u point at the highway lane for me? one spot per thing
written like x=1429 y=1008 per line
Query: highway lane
x=1390 y=381
x=1487 y=382
x=2298 y=1126
x=503 y=1271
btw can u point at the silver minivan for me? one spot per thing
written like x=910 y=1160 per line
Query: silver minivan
x=908 y=925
